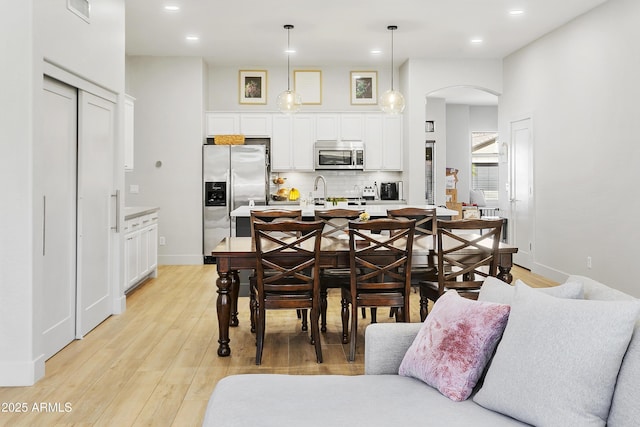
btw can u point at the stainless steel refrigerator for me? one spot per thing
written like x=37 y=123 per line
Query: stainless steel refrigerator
x=232 y=175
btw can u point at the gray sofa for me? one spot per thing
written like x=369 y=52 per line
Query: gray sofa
x=383 y=398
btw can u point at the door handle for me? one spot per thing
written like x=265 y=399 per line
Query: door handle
x=117 y=197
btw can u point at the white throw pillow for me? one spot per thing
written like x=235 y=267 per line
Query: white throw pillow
x=495 y=290
x=558 y=360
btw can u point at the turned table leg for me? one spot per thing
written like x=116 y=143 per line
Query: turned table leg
x=223 y=306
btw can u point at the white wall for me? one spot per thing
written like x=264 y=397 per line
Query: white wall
x=223 y=87
x=419 y=78
x=169 y=112
x=461 y=121
x=580 y=85
x=95 y=52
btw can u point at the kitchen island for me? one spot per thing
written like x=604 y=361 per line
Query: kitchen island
x=243 y=227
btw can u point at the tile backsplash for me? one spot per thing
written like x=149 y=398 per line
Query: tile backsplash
x=339 y=183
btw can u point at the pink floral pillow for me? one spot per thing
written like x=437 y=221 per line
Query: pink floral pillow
x=455 y=343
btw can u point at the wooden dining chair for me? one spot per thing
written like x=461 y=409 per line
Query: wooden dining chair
x=268 y=216
x=424 y=268
x=336 y=226
x=380 y=258
x=467 y=253
x=287 y=274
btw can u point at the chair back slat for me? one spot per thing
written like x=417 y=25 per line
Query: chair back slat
x=467 y=253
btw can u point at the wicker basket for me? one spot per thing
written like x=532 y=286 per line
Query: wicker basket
x=228 y=139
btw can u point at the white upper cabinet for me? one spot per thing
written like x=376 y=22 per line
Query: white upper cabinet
x=255 y=125
x=247 y=124
x=327 y=127
x=292 y=142
x=339 y=127
x=383 y=142
x=351 y=127
x=128 y=132
x=222 y=124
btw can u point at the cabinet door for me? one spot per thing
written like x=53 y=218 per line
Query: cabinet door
x=143 y=251
x=373 y=142
x=222 y=124
x=255 y=124
x=128 y=133
x=281 y=154
x=153 y=247
x=351 y=127
x=303 y=137
x=327 y=127
x=131 y=258
x=392 y=143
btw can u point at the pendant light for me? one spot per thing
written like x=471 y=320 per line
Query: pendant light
x=392 y=101
x=289 y=101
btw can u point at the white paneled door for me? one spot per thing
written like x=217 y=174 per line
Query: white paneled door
x=521 y=199
x=96 y=136
x=55 y=155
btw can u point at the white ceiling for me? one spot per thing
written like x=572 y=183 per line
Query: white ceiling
x=339 y=32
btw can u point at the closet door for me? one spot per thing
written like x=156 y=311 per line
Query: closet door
x=96 y=142
x=55 y=175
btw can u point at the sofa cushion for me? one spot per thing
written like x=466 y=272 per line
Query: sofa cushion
x=562 y=355
x=625 y=410
x=271 y=400
x=454 y=344
x=495 y=290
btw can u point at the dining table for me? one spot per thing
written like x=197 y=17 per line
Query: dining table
x=238 y=253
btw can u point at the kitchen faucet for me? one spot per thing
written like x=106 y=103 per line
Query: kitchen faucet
x=324 y=185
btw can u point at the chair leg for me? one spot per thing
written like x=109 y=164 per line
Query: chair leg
x=364 y=312
x=345 y=320
x=305 y=324
x=252 y=306
x=374 y=314
x=260 y=334
x=315 y=334
x=354 y=333
x=423 y=305
x=323 y=309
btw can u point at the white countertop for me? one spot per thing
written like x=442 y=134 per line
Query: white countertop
x=136 y=211
x=373 y=210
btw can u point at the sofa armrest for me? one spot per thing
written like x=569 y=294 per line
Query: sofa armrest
x=385 y=346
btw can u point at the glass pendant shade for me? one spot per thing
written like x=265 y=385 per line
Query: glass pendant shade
x=392 y=102
x=289 y=101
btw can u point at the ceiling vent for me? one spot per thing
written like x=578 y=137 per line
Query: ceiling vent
x=80 y=8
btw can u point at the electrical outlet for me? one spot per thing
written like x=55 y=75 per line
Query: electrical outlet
x=162 y=241
x=589 y=262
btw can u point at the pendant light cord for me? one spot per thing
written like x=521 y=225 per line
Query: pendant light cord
x=288 y=58
x=392 y=28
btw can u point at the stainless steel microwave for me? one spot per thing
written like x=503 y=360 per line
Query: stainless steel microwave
x=339 y=155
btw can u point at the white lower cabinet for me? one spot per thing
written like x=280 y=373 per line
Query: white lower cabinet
x=140 y=249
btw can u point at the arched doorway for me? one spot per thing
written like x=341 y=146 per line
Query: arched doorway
x=452 y=116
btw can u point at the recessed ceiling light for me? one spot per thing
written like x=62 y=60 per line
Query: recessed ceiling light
x=192 y=38
x=376 y=52
x=172 y=8
x=516 y=12
x=289 y=51
x=476 y=40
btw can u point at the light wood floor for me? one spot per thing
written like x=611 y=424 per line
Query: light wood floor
x=156 y=364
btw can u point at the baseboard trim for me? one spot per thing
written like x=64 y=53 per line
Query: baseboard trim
x=20 y=374
x=550 y=273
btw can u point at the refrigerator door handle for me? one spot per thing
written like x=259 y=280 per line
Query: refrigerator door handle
x=229 y=190
x=232 y=196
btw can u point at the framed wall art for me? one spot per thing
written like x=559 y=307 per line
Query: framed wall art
x=253 y=86
x=308 y=83
x=364 y=87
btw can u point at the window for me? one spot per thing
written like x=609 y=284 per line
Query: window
x=484 y=164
